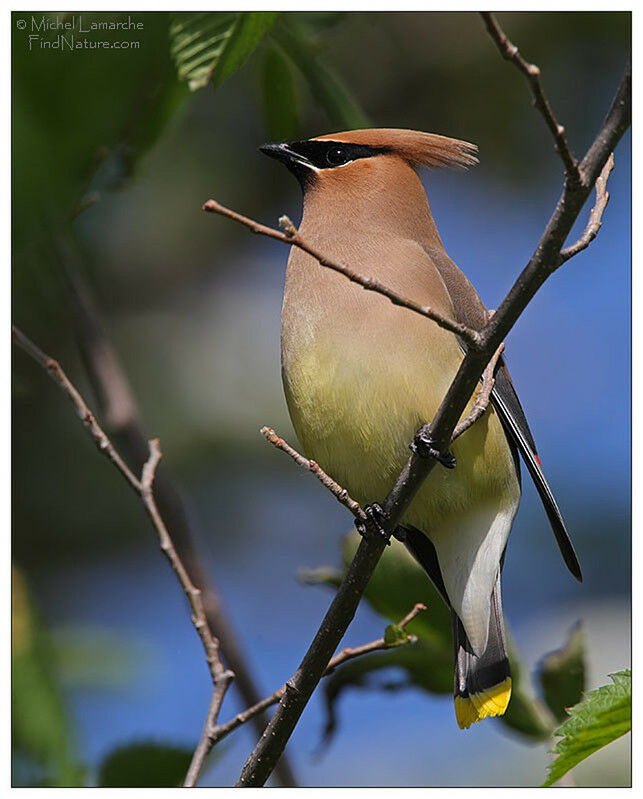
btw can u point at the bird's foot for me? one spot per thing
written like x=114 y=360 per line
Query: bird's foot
x=424 y=446
x=373 y=525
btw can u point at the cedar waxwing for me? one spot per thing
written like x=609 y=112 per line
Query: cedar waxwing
x=361 y=375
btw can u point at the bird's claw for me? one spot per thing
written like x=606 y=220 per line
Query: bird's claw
x=376 y=515
x=424 y=446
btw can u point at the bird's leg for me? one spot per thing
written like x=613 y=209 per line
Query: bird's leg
x=424 y=446
x=374 y=523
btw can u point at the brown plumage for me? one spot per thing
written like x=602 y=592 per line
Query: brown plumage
x=361 y=375
x=416 y=147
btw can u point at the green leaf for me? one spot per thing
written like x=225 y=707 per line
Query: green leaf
x=279 y=96
x=96 y=656
x=71 y=111
x=562 y=674
x=525 y=713
x=603 y=716
x=420 y=665
x=40 y=728
x=398 y=582
x=211 y=46
x=322 y=575
x=325 y=86
x=145 y=765
x=394 y=635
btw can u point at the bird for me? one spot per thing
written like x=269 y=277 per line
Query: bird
x=361 y=375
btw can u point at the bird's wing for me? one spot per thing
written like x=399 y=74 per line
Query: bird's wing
x=508 y=408
x=470 y=310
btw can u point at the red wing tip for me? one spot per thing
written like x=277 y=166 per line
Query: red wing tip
x=537 y=458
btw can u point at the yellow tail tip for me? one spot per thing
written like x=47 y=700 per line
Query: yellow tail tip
x=474 y=708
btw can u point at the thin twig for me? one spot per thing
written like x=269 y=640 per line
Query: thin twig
x=340 y=494
x=349 y=653
x=204 y=746
x=482 y=400
x=122 y=418
x=470 y=336
x=510 y=52
x=595 y=216
x=55 y=371
x=221 y=677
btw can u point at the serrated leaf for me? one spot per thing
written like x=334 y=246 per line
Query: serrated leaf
x=325 y=86
x=562 y=674
x=279 y=94
x=211 y=46
x=604 y=716
x=145 y=765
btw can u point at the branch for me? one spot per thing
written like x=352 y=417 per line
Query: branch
x=595 y=217
x=222 y=730
x=510 y=52
x=122 y=418
x=545 y=260
x=221 y=677
x=340 y=494
x=482 y=400
x=291 y=236
x=55 y=371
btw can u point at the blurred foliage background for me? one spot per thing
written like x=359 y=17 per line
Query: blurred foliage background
x=114 y=151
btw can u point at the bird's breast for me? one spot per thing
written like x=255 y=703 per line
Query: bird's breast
x=362 y=375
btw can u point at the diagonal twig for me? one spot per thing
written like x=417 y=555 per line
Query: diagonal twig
x=510 y=52
x=221 y=677
x=595 y=216
x=118 y=408
x=291 y=236
x=340 y=494
x=482 y=400
x=220 y=731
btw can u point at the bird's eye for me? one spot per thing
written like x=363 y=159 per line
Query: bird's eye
x=337 y=156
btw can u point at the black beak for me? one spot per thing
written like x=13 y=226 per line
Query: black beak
x=298 y=164
x=283 y=153
x=274 y=150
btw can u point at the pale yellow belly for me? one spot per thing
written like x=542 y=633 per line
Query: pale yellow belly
x=356 y=407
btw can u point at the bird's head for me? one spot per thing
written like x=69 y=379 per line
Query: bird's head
x=358 y=158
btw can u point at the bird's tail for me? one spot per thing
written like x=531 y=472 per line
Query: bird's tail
x=482 y=685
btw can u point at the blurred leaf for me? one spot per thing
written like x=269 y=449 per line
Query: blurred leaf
x=411 y=659
x=562 y=674
x=317 y=20
x=39 y=725
x=603 y=716
x=70 y=104
x=525 y=713
x=72 y=111
x=94 y=656
x=322 y=575
x=398 y=582
x=279 y=96
x=145 y=765
x=213 y=45
x=325 y=86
